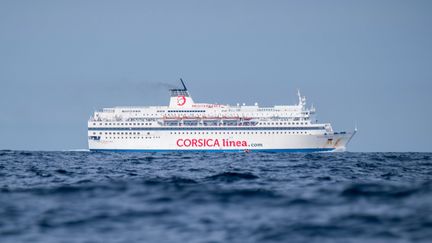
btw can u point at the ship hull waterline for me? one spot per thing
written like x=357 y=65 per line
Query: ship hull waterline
x=274 y=144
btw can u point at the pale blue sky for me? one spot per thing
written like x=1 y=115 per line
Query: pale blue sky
x=368 y=62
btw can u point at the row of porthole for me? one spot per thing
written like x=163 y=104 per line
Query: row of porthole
x=239 y=133
x=120 y=133
x=123 y=124
x=282 y=123
x=131 y=137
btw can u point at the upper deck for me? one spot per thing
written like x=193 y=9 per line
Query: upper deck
x=183 y=111
x=219 y=111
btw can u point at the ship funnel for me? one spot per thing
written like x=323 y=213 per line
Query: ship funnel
x=180 y=97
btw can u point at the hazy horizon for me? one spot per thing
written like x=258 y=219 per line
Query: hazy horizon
x=367 y=63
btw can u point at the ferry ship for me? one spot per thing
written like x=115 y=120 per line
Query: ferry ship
x=184 y=125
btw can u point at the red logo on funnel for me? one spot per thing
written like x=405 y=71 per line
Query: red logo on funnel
x=181 y=100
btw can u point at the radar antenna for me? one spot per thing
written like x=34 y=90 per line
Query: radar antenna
x=184 y=86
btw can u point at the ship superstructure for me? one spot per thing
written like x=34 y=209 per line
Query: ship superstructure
x=188 y=126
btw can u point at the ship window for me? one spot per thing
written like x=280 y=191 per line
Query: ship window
x=94 y=124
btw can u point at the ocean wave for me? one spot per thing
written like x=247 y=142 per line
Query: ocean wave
x=232 y=176
x=378 y=190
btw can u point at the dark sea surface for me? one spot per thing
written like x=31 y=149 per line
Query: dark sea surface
x=215 y=197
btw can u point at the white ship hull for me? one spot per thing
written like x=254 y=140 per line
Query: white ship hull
x=164 y=141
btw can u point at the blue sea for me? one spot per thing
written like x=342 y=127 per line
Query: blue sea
x=215 y=197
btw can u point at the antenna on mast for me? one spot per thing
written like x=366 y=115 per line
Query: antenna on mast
x=184 y=86
x=299 y=96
